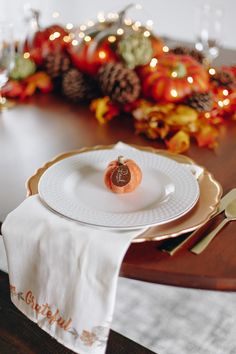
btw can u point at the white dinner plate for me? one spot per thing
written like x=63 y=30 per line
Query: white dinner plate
x=74 y=187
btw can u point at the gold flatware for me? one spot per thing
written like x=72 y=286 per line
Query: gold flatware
x=230 y=213
x=171 y=246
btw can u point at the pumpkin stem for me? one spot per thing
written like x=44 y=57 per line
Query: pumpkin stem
x=34 y=18
x=122 y=13
x=179 y=71
x=121 y=160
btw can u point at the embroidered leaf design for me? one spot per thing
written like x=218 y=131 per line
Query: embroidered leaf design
x=88 y=338
x=101 y=342
x=20 y=296
x=101 y=333
x=13 y=290
x=74 y=333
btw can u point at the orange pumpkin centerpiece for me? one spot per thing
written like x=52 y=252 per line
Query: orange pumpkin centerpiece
x=122 y=176
x=100 y=43
x=171 y=78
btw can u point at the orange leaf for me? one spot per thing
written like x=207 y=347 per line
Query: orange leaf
x=13 y=88
x=41 y=81
x=28 y=90
x=104 y=109
x=206 y=137
x=179 y=142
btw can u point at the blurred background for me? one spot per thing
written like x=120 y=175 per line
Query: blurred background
x=181 y=20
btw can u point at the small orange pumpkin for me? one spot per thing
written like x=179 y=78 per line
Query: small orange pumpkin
x=122 y=176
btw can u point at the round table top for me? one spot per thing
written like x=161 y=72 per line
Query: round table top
x=44 y=126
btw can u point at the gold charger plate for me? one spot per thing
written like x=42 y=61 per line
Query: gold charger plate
x=210 y=194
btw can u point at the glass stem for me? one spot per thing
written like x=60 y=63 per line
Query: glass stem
x=2 y=99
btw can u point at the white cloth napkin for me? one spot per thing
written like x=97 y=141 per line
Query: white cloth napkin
x=3 y=257
x=196 y=170
x=63 y=276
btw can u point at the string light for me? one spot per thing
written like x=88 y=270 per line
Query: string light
x=102 y=54
x=83 y=27
x=207 y=115
x=101 y=17
x=120 y=31
x=137 y=23
x=225 y=92
x=57 y=34
x=71 y=35
x=174 y=74
x=74 y=42
x=153 y=62
x=165 y=49
x=26 y=55
x=212 y=71
x=69 y=26
x=223 y=103
x=128 y=21
x=111 y=39
x=173 y=93
x=66 y=39
x=199 y=47
x=190 y=79
x=135 y=28
x=90 y=23
x=226 y=102
x=87 y=38
x=81 y=34
x=55 y=14
x=146 y=34
x=149 y=23
x=112 y=16
x=54 y=36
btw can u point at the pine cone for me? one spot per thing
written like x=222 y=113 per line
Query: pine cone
x=56 y=64
x=77 y=87
x=202 y=102
x=198 y=56
x=180 y=50
x=121 y=84
x=223 y=78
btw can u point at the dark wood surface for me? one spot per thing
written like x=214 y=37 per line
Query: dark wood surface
x=19 y=335
x=48 y=125
x=44 y=126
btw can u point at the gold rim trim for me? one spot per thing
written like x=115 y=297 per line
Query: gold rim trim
x=200 y=214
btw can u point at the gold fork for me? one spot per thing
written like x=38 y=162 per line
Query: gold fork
x=230 y=213
x=171 y=246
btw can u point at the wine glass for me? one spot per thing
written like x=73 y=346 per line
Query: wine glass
x=7 y=59
x=209 y=18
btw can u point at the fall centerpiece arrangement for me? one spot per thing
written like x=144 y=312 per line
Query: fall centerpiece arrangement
x=117 y=65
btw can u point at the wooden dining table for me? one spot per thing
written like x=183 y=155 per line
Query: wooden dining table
x=45 y=125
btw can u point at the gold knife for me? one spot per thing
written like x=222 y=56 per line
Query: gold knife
x=173 y=245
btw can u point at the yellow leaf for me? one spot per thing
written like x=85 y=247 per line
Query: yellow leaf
x=179 y=142
x=104 y=109
x=182 y=115
x=206 y=137
x=100 y=108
